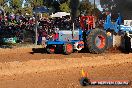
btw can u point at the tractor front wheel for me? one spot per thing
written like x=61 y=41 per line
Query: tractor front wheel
x=97 y=41
x=68 y=48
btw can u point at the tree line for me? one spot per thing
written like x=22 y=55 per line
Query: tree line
x=15 y=6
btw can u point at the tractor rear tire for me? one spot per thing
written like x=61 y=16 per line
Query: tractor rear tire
x=92 y=41
x=50 y=49
x=67 y=48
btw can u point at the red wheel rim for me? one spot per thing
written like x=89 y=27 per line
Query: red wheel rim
x=100 y=41
x=68 y=47
x=52 y=49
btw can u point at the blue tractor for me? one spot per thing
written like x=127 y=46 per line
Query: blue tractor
x=87 y=36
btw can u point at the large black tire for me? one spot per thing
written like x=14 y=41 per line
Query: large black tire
x=50 y=49
x=67 y=48
x=92 y=39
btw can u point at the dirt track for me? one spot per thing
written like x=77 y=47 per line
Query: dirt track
x=22 y=68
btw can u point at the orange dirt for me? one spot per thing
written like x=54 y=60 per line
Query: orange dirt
x=24 y=68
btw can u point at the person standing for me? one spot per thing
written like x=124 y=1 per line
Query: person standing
x=44 y=36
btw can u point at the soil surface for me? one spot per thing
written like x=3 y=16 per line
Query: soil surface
x=33 y=68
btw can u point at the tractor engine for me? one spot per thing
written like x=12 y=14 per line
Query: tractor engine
x=66 y=35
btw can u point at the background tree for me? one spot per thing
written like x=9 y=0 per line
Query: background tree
x=36 y=3
x=2 y=2
x=3 y=6
x=86 y=7
x=65 y=7
x=48 y=3
x=7 y=9
x=16 y=4
x=27 y=10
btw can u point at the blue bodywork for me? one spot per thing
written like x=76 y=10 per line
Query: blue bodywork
x=67 y=38
x=61 y=42
x=116 y=26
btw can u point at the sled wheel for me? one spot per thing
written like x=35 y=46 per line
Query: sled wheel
x=50 y=49
x=97 y=41
x=84 y=81
x=68 y=48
